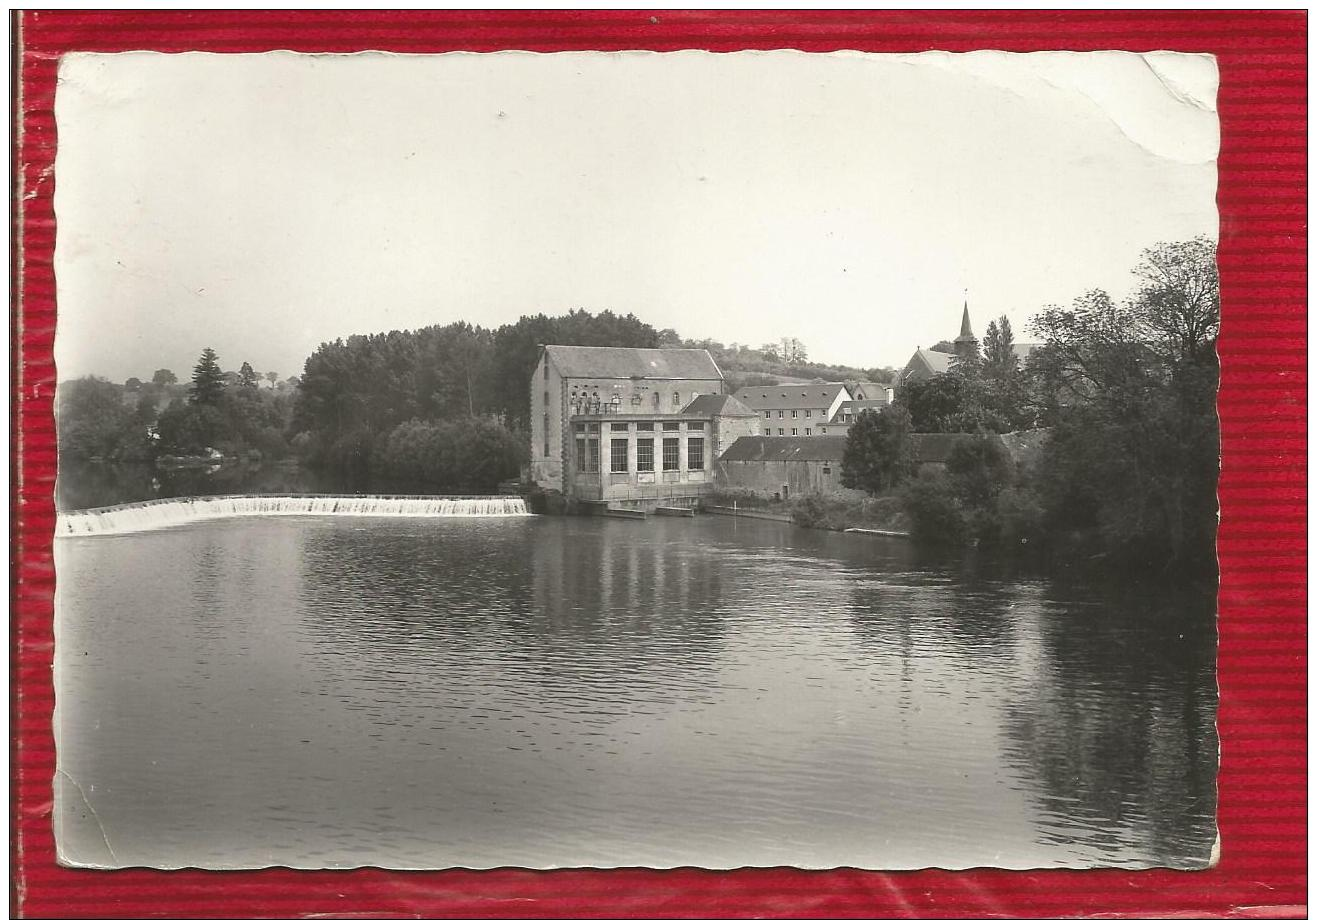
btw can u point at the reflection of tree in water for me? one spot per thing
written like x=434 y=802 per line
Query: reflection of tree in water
x=916 y=615
x=572 y=607
x=1117 y=728
x=1106 y=707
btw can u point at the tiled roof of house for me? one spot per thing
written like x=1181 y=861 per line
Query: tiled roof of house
x=629 y=363
x=805 y=396
x=939 y=362
x=929 y=448
x=799 y=449
x=718 y=405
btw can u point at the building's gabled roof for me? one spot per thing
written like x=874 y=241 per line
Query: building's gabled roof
x=804 y=396
x=827 y=448
x=1024 y=349
x=632 y=363
x=939 y=362
x=727 y=406
x=928 y=448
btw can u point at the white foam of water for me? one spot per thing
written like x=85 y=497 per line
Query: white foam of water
x=175 y=511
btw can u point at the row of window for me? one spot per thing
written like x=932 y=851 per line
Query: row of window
x=809 y=413
x=795 y=432
x=587 y=455
x=640 y=426
x=585 y=401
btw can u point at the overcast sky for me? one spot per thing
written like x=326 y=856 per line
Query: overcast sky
x=262 y=204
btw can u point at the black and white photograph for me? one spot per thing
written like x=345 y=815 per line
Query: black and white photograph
x=657 y=459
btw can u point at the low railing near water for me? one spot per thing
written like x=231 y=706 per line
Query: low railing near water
x=168 y=512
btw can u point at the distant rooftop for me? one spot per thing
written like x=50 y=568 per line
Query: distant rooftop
x=805 y=396
x=929 y=448
x=718 y=405
x=630 y=363
x=822 y=447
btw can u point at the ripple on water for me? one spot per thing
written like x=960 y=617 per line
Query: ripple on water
x=565 y=691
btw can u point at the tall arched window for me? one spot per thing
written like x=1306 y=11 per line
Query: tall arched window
x=676 y=399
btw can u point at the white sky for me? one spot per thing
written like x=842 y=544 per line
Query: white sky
x=262 y=204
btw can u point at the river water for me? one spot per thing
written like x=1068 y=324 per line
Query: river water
x=539 y=691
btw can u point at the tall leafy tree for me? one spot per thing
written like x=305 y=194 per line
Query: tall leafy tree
x=1178 y=301
x=91 y=418
x=207 y=379
x=247 y=377
x=951 y=403
x=164 y=377
x=879 y=451
x=999 y=360
x=1132 y=461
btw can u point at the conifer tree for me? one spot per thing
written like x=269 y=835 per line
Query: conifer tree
x=207 y=379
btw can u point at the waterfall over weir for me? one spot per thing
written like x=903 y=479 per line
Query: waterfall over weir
x=169 y=512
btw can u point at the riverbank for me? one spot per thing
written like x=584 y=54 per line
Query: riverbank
x=883 y=514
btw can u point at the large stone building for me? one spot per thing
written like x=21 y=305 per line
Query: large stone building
x=630 y=427
x=797 y=410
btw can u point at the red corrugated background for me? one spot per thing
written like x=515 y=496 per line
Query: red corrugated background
x=1263 y=540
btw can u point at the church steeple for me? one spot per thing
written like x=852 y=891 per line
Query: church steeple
x=967 y=344
x=966 y=331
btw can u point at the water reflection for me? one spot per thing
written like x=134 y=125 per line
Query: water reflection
x=550 y=691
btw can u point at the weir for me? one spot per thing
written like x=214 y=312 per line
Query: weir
x=170 y=512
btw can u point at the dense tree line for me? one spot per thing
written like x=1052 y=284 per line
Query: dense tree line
x=1125 y=394
x=143 y=421
x=370 y=405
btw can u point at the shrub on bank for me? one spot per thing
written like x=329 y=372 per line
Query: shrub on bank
x=837 y=512
x=741 y=498
x=464 y=455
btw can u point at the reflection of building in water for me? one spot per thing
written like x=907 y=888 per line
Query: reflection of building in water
x=628 y=584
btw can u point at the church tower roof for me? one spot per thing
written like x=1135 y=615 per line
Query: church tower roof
x=966 y=331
